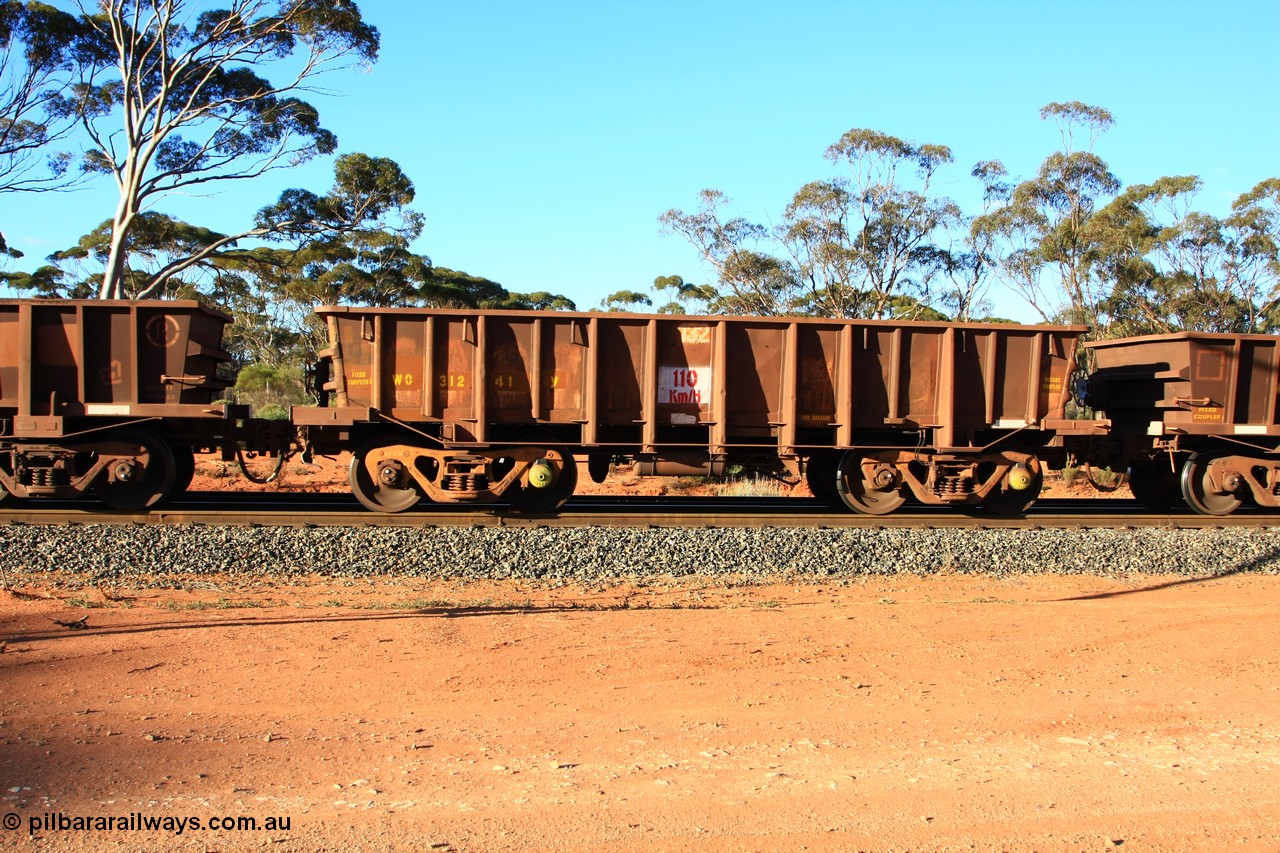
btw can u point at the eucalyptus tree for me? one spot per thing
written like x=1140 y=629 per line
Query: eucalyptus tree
x=751 y=280
x=865 y=243
x=365 y=211
x=683 y=297
x=156 y=241
x=865 y=238
x=181 y=101
x=971 y=259
x=40 y=47
x=1051 y=243
x=626 y=300
x=1175 y=268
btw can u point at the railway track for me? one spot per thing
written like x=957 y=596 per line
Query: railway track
x=340 y=510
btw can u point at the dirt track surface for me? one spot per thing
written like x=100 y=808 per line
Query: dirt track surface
x=947 y=713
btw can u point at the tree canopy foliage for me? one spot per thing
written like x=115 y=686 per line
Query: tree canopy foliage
x=171 y=96
x=878 y=240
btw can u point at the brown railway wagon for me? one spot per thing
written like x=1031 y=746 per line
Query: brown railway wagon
x=1197 y=415
x=475 y=406
x=109 y=397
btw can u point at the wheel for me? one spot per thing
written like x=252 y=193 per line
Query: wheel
x=1155 y=485
x=185 y=470
x=1004 y=499
x=868 y=486
x=391 y=488
x=820 y=475
x=1209 y=489
x=525 y=497
x=142 y=475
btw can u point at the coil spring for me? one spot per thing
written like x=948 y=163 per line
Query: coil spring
x=46 y=477
x=960 y=484
x=466 y=482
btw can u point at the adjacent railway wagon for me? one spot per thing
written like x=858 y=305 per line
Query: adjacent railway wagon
x=114 y=398
x=1193 y=415
x=474 y=407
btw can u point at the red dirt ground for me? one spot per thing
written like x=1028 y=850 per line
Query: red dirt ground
x=944 y=713
x=947 y=713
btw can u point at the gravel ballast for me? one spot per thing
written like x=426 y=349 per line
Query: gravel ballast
x=150 y=554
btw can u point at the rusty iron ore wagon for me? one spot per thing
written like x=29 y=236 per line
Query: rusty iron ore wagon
x=480 y=406
x=476 y=407
x=1193 y=415
x=114 y=398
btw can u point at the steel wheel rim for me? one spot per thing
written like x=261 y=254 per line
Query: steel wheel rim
x=820 y=472
x=374 y=495
x=1198 y=490
x=153 y=486
x=860 y=492
x=185 y=468
x=1008 y=501
x=530 y=500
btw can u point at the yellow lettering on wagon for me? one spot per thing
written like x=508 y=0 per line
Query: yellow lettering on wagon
x=405 y=379
x=1208 y=414
x=453 y=380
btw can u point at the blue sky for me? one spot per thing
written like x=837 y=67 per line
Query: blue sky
x=545 y=138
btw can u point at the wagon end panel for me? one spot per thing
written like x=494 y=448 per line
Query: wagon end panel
x=1194 y=383
x=176 y=348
